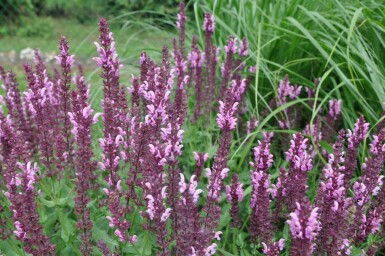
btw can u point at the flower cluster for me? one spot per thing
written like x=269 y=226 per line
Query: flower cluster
x=234 y=195
x=300 y=163
x=261 y=226
x=333 y=202
x=82 y=119
x=304 y=227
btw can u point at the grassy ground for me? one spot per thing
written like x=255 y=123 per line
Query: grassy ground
x=131 y=40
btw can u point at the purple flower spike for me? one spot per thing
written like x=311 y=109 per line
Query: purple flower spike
x=273 y=249
x=300 y=163
x=201 y=159
x=210 y=57
x=354 y=139
x=209 y=23
x=231 y=47
x=334 y=108
x=285 y=90
x=332 y=120
x=261 y=227
x=333 y=202
x=21 y=193
x=234 y=195
x=40 y=100
x=226 y=117
x=188 y=233
x=181 y=25
x=304 y=228
x=252 y=124
x=226 y=122
x=244 y=48
x=82 y=120
x=227 y=66
x=108 y=61
x=64 y=141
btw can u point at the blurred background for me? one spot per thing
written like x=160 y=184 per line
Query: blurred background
x=28 y=24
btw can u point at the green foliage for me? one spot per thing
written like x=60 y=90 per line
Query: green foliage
x=33 y=27
x=166 y=7
x=305 y=39
x=11 y=12
x=81 y=10
x=87 y=10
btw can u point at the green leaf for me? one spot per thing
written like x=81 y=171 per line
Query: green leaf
x=69 y=250
x=223 y=252
x=67 y=226
x=47 y=203
x=53 y=203
x=326 y=146
x=92 y=203
x=100 y=234
x=10 y=247
x=62 y=201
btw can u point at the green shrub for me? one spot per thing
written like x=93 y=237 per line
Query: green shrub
x=12 y=10
x=35 y=28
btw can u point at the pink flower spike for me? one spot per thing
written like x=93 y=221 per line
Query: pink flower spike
x=165 y=215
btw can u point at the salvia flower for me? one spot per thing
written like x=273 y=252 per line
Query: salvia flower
x=354 y=139
x=189 y=232
x=110 y=64
x=304 y=227
x=208 y=23
x=244 y=48
x=82 y=119
x=17 y=109
x=332 y=120
x=334 y=108
x=234 y=195
x=261 y=227
x=39 y=99
x=333 y=202
x=201 y=159
x=300 y=163
x=66 y=61
x=21 y=194
x=226 y=117
x=273 y=249
x=181 y=25
x=196 y=60
x=287 y=92
x=252 y=124
x=210 y=61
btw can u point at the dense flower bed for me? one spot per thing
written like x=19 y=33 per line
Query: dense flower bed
x=137 y=182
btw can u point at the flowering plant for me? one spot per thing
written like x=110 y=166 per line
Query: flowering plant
x=136 y=196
